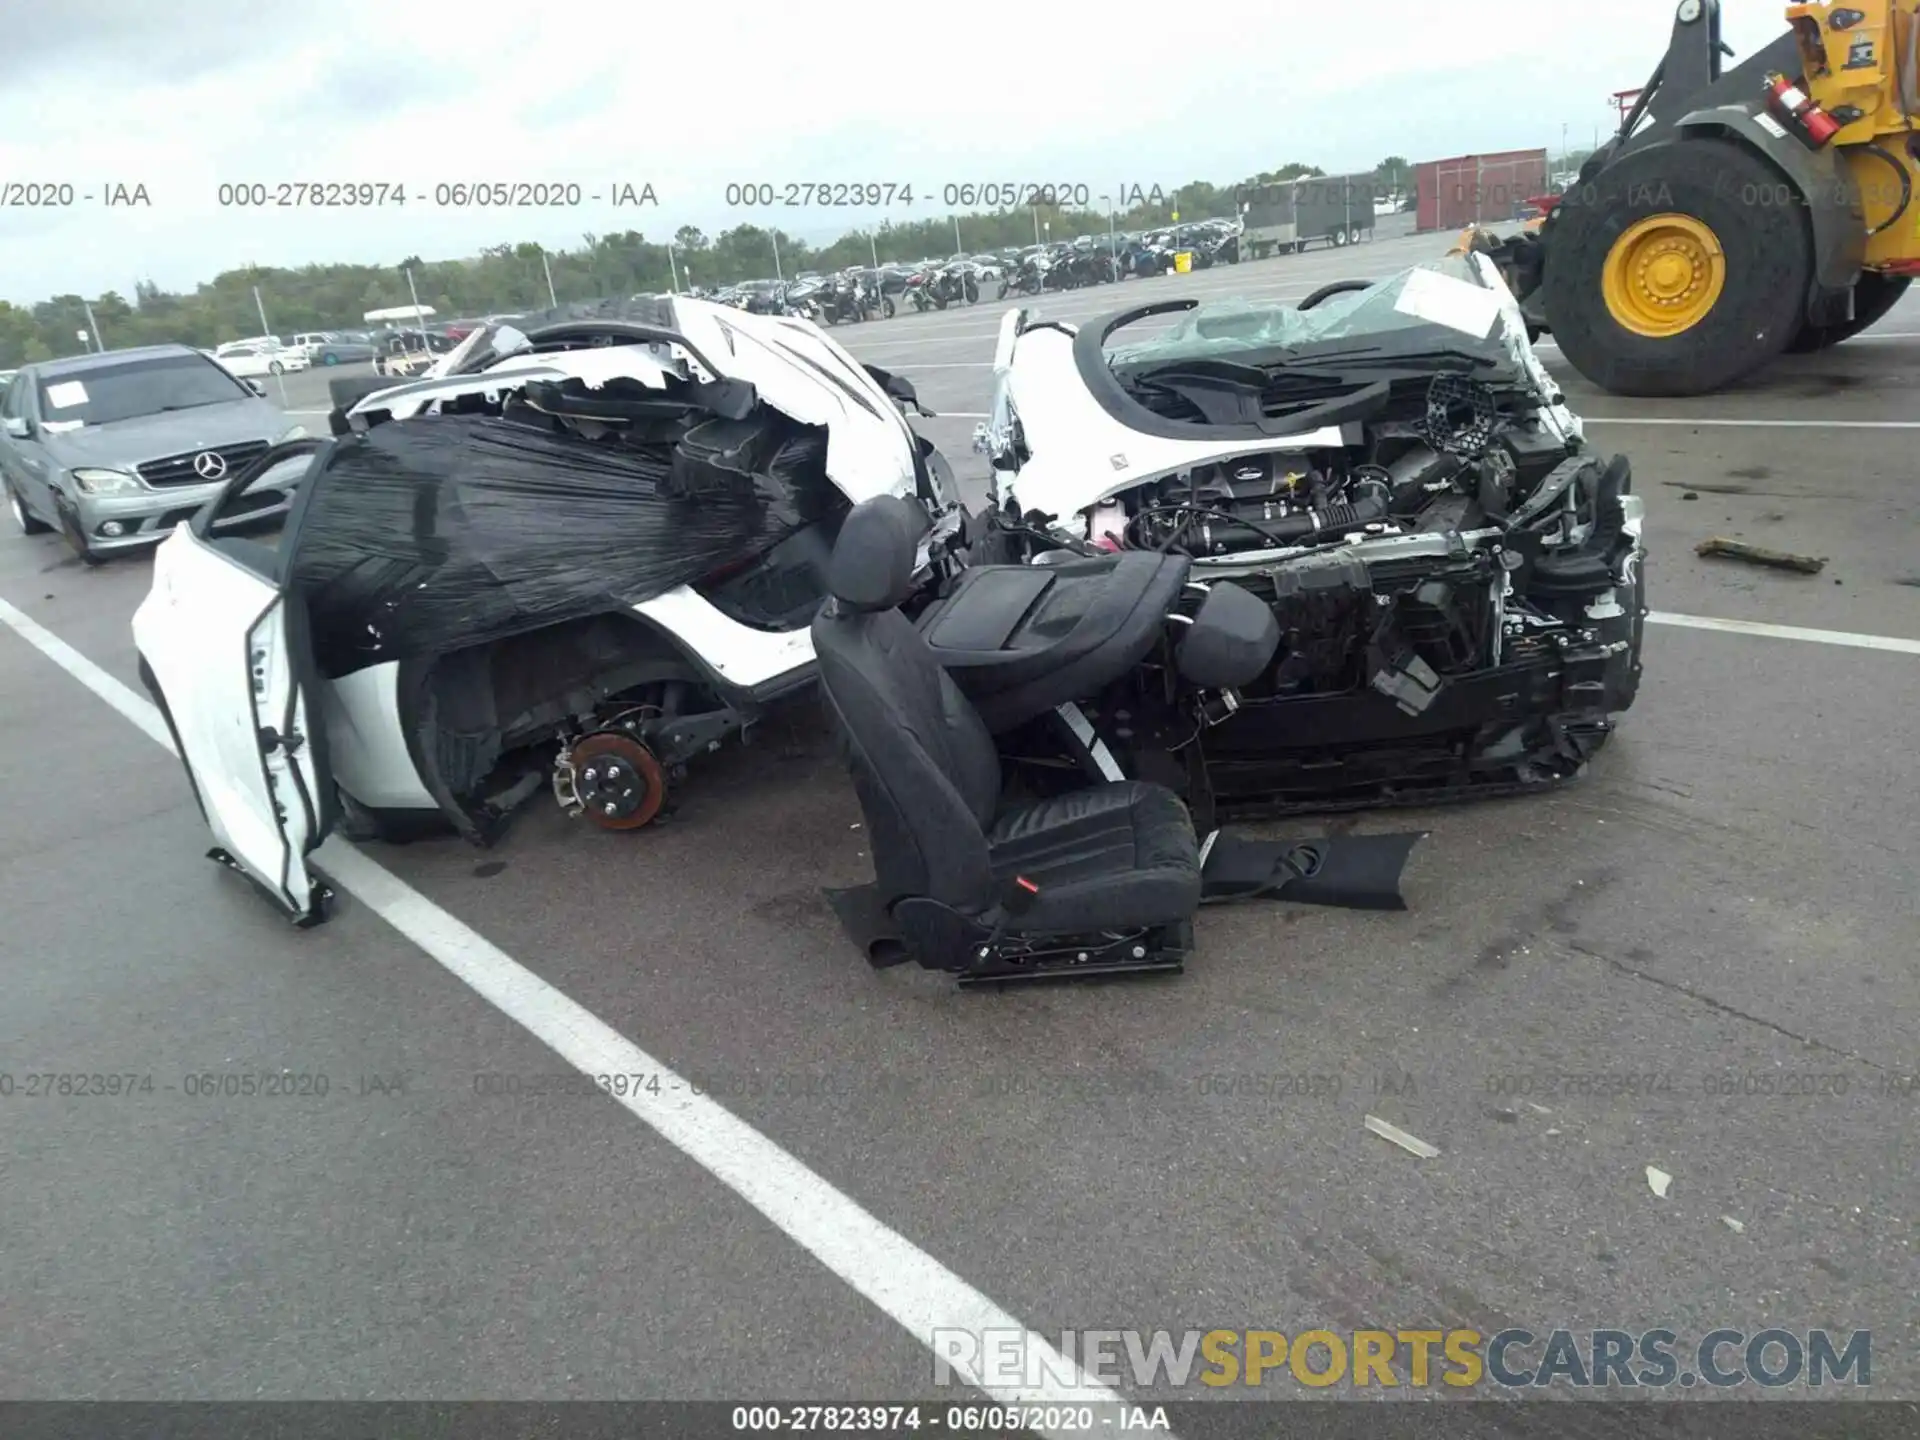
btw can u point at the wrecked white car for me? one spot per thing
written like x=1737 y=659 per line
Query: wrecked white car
x=584 y=552
x=1456 y=576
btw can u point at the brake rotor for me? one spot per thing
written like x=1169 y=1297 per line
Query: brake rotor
x=617 y=783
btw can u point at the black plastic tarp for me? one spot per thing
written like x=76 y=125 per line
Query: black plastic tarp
x=426 y=535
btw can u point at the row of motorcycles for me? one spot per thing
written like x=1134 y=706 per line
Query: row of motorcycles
x=1068 y=269
x=836 y=300
x=854 y=296
x=944 y=285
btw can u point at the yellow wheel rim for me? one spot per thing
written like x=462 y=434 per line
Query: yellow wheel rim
x=1664 y=275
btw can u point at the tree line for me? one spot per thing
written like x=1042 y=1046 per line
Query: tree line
x=512 y=278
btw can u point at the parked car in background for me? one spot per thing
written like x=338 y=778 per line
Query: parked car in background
x=335 y=348
x=115 y=449
x=259 y=357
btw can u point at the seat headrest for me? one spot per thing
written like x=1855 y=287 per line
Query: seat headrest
x=872 y=565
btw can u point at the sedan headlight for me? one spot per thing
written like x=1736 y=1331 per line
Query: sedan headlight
x=297 y=432
x=106 y=482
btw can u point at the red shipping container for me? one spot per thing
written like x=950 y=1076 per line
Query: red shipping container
x=1479 y=189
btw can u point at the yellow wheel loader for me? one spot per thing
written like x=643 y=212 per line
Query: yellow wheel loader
x=1740 y=212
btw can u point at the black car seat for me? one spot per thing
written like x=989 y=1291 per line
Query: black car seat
x=1022 y=639
x=1099 y=880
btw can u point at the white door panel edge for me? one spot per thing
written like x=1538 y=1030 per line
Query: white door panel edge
x=907 y=1284
x=215 y=636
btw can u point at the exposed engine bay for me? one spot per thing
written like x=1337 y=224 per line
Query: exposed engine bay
x=1456 y=575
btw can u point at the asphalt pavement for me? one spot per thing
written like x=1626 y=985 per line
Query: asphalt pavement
x=1701 y=958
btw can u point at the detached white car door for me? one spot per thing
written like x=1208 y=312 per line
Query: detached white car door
x=225 y=649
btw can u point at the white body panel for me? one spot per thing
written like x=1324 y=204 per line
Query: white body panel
x=737 y=653
x=369 y=754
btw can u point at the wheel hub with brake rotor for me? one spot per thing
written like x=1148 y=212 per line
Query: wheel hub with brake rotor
x=610 y=779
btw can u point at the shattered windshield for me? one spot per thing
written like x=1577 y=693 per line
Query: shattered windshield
x=487 y=345
x=1458 y=303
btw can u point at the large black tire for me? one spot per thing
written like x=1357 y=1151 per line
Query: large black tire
x=1873 y=296
x=1768 y=257
x=24 y=519
x=70 y=530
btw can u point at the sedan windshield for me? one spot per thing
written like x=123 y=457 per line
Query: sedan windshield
x=104 y=394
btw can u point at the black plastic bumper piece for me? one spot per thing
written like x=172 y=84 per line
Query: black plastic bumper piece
x=1351 y=872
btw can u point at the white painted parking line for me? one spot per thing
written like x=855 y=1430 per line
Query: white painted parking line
x=1754 y=424
x=940 y=365
x=1788 y=632
x=909 y=1285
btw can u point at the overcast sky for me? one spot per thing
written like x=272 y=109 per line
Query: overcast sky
x=182 y=96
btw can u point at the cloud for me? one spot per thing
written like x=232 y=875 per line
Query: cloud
x=187 y=96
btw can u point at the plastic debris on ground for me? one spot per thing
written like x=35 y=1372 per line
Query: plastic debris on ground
x=1658 y=1180
x=1412 y=1144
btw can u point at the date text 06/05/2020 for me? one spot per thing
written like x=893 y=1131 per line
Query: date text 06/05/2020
x=953 y=195
x=445 y=194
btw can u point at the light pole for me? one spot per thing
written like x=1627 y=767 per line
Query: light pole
x=259 y=305
x=1036 y=224
x=778 y=273
x=418 y=319
x=1113 y=241
x=552 y=299
x=673 y=269
x=958 y=248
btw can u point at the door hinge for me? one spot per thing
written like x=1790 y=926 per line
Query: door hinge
x=272 y=740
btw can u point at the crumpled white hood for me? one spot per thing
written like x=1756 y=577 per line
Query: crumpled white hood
x=1079 y=455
